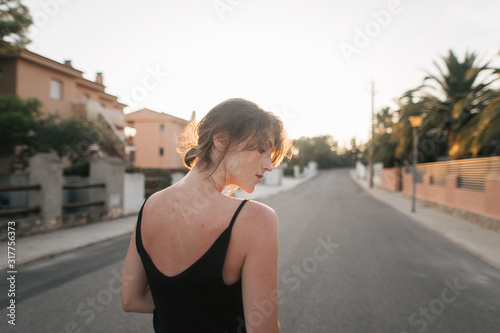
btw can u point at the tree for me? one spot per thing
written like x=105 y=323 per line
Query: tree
x=461 y=115
x=384 y=148
x=25 y=132
x=384 y=121
x=432 y=143
x=14 y=23
x=325 y=151
x=462 y=92
x=481 y=136
x=319 y=149
x=74 y=138
x=349 y=156
x=17 y=122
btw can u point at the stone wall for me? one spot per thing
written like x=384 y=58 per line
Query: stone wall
x=117 y=194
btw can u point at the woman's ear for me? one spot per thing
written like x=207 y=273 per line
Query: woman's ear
x=221 y=140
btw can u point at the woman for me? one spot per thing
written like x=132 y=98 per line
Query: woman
x=200 y=260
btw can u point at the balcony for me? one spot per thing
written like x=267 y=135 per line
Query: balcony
x=92 y=109
x=115 y=119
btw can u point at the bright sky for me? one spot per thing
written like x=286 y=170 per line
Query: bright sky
x=311 y=62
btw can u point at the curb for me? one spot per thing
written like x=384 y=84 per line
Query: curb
x=52 y=252
x=489 y=256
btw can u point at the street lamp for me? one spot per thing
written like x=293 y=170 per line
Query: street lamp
x=416 y=122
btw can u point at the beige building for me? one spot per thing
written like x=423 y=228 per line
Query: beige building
x=155 y=139
x=61 y=88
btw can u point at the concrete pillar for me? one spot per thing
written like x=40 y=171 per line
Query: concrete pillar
x=427 y=178
x=110 y=171
x=312 y=167
x=492 y=195
x=133 y=192
x=451 y=189
x=296 y=171
x=391 y=180
x=452 y=181
x=46 y=170
x=408 y=184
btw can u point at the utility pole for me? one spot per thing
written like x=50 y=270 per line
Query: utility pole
x=416 y=122
x=373 y=130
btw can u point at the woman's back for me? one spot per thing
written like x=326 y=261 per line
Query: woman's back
x=191 y=294
x=191 y=221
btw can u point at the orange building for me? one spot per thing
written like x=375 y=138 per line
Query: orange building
x=60 y=87
x=154 y=141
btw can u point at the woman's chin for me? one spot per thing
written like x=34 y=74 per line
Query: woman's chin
x=248 y=189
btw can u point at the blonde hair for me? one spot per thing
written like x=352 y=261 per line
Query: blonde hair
x=241 y=120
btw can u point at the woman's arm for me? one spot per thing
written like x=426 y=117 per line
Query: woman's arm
x=260 y=273
x=136 y=295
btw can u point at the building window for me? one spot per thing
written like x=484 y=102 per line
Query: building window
x=161 y=151
x=162 y=128
x=55 y=89
x=131 y=157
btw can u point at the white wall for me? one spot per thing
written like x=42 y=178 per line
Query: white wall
x=363 y=172
x=133 y=192
x=274 y=177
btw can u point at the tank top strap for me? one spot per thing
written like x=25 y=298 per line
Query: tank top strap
x=236 y=213
x=138 y=238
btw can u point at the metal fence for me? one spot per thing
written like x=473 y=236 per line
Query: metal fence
x=9 y=212
x=24 y=211
x=76 y=205
x=471 y=173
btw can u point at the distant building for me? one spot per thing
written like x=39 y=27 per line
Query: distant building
x=61 y=88
x=154 y=142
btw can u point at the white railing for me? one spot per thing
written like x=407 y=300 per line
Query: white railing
x=113 y=118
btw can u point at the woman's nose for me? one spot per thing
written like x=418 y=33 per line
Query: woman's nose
x=268 y=165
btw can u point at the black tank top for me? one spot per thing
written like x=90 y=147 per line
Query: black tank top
x=196 y=300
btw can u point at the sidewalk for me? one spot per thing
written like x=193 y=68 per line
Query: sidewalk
x=44 y=245
x=481 y=242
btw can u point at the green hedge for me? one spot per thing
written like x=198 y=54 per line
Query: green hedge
x=82 y=170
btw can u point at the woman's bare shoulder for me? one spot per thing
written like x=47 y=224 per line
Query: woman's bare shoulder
x=260 y=209
x=155 y=203
x=259 y=216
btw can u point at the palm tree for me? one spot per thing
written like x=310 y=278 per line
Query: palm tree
x=384 y=148
x=481 y=136
x=463 y=92
x=399 y=135
x=384 y=121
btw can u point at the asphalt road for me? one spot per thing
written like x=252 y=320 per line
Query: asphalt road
x=348 y=263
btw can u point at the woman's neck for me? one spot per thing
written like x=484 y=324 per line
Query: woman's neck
x=206 y=179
